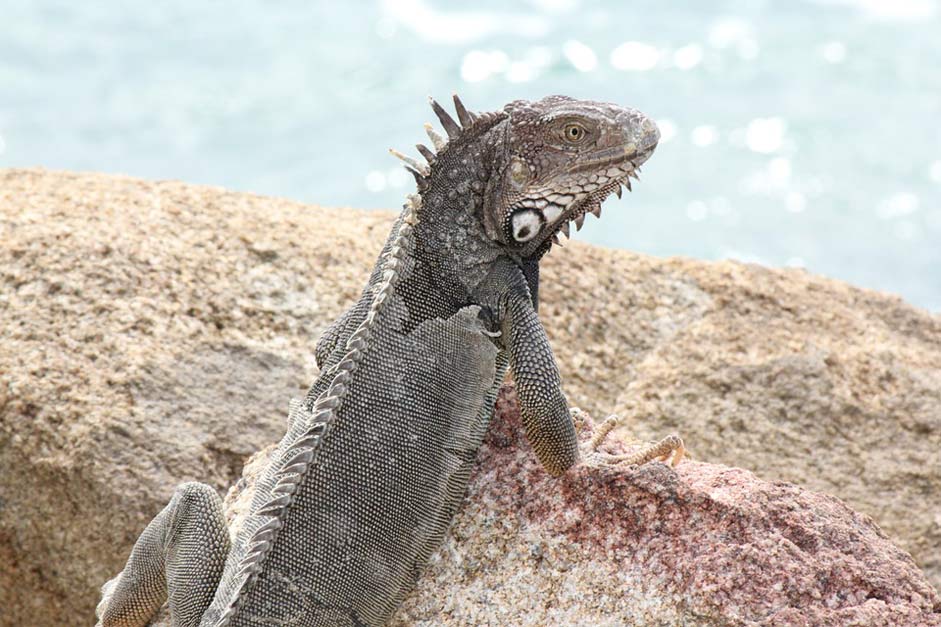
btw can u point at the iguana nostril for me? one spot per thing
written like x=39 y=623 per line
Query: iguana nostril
x=647 y=134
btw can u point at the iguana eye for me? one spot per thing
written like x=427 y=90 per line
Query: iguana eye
x=573 y=133
x=526 y=225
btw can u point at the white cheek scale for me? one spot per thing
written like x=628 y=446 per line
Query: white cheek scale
x=526 y=225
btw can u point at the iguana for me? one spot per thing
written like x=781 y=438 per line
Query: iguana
x=361 y=489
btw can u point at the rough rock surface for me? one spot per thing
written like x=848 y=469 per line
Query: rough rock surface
x=151 y=333
x=702 y=544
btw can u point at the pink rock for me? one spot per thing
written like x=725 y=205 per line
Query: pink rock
x=702 y=544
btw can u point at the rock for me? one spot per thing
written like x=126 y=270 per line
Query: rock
x=701 y=544
x=791 y=375
x=152 y=333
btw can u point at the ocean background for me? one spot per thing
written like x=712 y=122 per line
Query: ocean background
x=795 y=133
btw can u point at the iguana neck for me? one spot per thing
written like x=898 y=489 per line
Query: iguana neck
x=450 y=237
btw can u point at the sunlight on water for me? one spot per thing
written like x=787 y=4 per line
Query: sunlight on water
x=478 y=65
x=799 y=134
x=833 y=52
x=765 y=135
x=935 y=171
x=795 y=201
x=580 y=56
x=704 y=135
x=688 y=57
x=635 y=56
x=892 y=9
x=667 y=130
x=461 y=27
x=897 y=205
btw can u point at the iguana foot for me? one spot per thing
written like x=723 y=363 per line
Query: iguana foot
x=670 y=448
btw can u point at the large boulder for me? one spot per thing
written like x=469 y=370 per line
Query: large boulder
x=791 y=375
x=701 y=544
x=153 y=332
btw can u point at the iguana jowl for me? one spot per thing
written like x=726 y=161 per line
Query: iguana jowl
x=360 y=491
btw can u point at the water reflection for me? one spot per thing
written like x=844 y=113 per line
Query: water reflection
x=790 y=131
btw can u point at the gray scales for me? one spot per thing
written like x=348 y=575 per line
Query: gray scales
x=361 y=489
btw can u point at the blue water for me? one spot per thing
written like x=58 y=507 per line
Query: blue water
x=796 y=133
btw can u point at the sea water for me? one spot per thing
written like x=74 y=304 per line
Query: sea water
x=795 y=133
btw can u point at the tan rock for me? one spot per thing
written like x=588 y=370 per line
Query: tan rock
x=153 y=332
x=788 y=374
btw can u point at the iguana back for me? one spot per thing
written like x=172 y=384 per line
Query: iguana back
x=390 y=471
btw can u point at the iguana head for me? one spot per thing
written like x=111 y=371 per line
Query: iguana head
x=563 y=157
x=530 y=170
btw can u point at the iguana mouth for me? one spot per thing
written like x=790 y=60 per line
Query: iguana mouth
x=614 y=157
x=591 y=203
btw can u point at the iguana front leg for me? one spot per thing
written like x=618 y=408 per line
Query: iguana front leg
x=180 y=554
x=543 y=408
x=544 y=411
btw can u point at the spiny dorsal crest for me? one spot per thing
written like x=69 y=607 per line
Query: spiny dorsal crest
x=317 y=419
x=468 y=120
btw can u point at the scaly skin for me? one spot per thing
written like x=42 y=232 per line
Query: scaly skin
x=362 y=488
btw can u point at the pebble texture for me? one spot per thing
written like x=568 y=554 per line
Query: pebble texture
x=152 y=333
